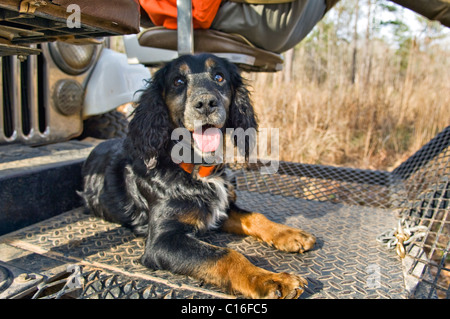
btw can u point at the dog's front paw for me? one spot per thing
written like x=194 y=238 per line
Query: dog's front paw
x=293 y=240
x=279 y=286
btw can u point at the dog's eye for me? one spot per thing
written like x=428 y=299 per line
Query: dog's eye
x=218 y=77
x=178 y=81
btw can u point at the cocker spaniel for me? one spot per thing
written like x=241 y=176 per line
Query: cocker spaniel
x=139 y=182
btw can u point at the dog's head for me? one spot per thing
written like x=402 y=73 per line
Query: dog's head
x=202 y=94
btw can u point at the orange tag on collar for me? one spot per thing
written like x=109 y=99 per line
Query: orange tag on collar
x=203 y=171
x=187 y=167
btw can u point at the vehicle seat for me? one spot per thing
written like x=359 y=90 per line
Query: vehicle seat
x=234 y=47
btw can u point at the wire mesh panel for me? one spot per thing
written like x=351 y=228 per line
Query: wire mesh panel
x=422 y=185
x=417 y=192
x=317 y=182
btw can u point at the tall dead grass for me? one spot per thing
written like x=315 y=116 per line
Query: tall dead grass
x=377 y=122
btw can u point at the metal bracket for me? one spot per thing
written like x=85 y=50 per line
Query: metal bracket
x=30 y=6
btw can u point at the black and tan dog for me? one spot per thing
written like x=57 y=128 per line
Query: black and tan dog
x=135 y=181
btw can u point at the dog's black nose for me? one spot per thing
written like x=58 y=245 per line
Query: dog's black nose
x=206 y=104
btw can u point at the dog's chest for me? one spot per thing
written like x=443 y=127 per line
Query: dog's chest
x=219 y=204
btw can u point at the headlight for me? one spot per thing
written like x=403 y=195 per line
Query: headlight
x=73 y=59
x=68 y=96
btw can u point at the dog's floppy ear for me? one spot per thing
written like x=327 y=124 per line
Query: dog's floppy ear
x=242 y=115
x=149 y=130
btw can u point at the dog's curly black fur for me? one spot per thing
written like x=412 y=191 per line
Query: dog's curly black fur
x=135 y=182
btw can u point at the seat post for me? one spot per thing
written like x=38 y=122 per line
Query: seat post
x=185 y=28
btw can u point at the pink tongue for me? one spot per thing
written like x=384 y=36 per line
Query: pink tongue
x=209 y=141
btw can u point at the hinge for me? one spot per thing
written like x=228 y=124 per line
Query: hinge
x=29 y=6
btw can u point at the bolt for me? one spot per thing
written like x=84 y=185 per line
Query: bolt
x=22 y=58
x=39 y=3
x=25 y=277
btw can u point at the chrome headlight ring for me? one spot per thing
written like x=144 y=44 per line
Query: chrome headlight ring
x=73 y=59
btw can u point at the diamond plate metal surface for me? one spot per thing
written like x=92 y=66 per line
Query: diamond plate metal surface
x=340 y=266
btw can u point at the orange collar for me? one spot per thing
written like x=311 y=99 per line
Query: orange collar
x=201 y=170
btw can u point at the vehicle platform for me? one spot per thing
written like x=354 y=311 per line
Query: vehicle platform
x=353 y=213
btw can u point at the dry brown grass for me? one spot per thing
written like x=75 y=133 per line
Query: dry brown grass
x=375 y=123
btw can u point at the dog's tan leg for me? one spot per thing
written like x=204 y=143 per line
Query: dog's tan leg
x=282 y=237
x=236 y=273
x=173 y=248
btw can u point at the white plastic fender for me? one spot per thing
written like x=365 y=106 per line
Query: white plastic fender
x=137 y=53
x=113 y=82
